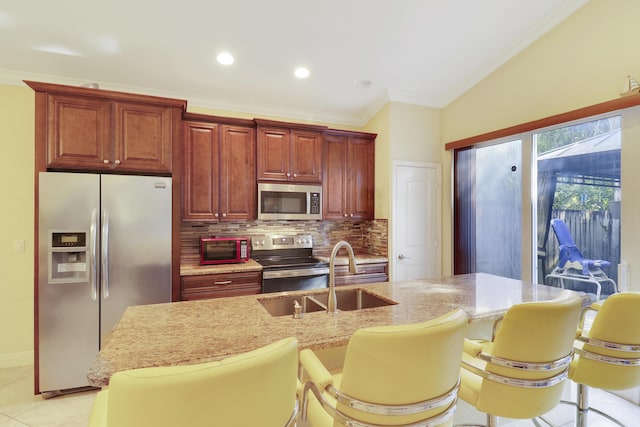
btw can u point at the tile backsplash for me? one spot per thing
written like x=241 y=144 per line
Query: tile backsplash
x=366 y=237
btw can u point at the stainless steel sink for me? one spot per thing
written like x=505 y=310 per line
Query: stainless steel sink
x=284 y=305
x=348 y=300
x=354 y=299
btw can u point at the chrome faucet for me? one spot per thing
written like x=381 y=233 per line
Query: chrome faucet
x=332 y=303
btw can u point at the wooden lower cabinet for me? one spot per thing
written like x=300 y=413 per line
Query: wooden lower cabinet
x=220 y=285
x=367 y=273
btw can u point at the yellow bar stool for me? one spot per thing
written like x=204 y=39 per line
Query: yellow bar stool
x=257 y=388
x=607 y=356
x=401 y=375
x=521 y=372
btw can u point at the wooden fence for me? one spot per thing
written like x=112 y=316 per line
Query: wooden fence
x=597 y=236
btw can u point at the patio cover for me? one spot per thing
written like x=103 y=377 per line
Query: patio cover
x=592 y=161
x=597 y=158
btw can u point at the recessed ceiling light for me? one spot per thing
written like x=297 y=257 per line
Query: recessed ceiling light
x=225 y=58
x=301 y=72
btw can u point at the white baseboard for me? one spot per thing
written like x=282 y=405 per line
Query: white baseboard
x=13 y=360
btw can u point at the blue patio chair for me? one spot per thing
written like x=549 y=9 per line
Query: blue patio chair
x=572 y=265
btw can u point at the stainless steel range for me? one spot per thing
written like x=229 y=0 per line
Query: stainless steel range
x=288 y=263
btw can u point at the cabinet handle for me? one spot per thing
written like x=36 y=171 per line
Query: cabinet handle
x=215 y=215
x=105 y=161
x=295 y=175
x=117 y=162
x=224 y=215
x=345 y=215
x=288 y=174
x=224 y=282
x=351 y=215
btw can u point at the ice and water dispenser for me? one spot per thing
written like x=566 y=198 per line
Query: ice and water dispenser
x=68 y=257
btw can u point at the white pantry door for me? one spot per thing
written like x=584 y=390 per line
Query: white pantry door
x=416 y=221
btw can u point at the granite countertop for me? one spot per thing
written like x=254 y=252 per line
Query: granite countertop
x=360 y=259
x=197 y=269
x=252 y=265
x=205 y=330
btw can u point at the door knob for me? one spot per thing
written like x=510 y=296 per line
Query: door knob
x=401 y=257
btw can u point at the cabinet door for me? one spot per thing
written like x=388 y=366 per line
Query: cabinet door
x=200 y=174
x=237 y=173
x=274 y=154
x=334 y=181
x=143 y=137
x=306 y=156
x=361 y=178
x=79 y=132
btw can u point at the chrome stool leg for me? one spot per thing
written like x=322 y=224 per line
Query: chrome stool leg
x=582 y=406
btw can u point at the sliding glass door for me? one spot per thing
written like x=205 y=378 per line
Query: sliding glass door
x=575 y=176
x=488 y=209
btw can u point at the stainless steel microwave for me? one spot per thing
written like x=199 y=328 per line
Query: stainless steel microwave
x=289 y=201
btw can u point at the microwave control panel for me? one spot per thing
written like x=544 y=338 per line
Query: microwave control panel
x=315 y=203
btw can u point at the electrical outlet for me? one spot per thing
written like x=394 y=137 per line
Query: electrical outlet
x=18 y=246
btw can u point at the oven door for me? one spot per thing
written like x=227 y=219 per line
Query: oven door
x=279 y=280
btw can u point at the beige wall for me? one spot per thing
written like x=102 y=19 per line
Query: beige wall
x=16 y=223
x=408 y=133
x=583 y=61
x=380 y=124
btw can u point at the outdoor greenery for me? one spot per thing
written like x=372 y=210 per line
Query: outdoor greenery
x=582 y=197
x=556 y=138
x=575 y=196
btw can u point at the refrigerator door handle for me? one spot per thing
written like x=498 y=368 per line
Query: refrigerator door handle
x=105 y=254
x=93 y=262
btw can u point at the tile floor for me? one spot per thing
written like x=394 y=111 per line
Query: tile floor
x=19 y=407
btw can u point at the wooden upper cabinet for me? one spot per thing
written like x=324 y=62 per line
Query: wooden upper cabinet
x=289 y=152
x=334 y=182
x=348 y=175
x=274 y=154
x=143 y=137
x=218 y=170
x=306 y=156
x=104 y=131
x=79 y=131
x=200 y=160
x=238 y=197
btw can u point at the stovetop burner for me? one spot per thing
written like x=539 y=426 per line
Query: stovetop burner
x=278 y=262
x=288 y=263
x=285 y=251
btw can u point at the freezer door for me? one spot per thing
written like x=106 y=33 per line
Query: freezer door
x=136 y=245
x=68 y=307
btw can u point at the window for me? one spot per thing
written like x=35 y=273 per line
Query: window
x=578 y=179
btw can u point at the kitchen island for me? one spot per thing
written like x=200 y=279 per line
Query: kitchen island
x=199 y=331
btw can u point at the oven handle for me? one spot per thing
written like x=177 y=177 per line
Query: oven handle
x=280 y=274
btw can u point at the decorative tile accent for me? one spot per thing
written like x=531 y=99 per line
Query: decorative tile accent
x=366 y=237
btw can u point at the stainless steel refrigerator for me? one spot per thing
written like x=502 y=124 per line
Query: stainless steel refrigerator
x=104 y=244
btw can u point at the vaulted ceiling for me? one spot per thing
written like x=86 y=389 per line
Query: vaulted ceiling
x=360 y=53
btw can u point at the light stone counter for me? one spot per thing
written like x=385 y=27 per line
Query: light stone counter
x=360 y=259
x=197 y=269
x=198 y=331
